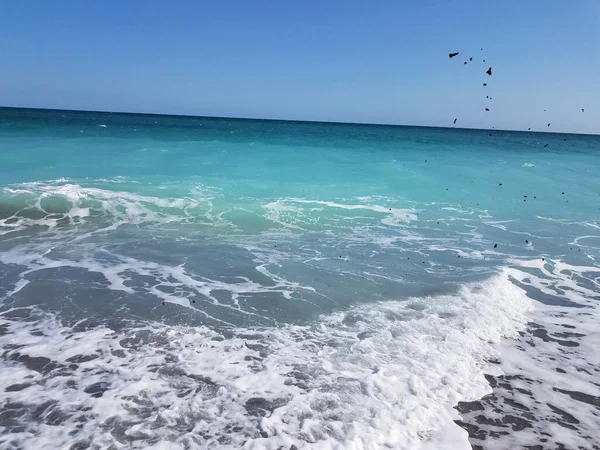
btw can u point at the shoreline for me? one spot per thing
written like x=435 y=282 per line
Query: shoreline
x=518 y=414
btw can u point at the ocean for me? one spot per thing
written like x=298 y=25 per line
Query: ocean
x=173 y=282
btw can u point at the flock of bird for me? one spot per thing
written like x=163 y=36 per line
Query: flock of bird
x=489 y=73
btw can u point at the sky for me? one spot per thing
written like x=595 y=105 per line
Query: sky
x=347 y=61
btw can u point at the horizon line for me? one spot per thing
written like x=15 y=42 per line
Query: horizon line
x=269 y=119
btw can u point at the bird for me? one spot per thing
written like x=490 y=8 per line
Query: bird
x=487 y=109
x=529 y=128
x=487 y=96
x=489 y=71
x=455 y=120
x=471 y=58
x=548 y=124
x=582 y=110
x=495 y=245
x=465 y=62
x=452 y=55
x=485 y=84
x=545 y=145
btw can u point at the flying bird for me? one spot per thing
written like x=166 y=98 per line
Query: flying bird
x=455 y=120
x=471 y=58
x=485 y=84
x=489 y=71
x=548 y=124
x=582 y=110
x=487 y=109
x=452 y=55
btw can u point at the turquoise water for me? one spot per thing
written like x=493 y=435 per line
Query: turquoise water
x=226 y=282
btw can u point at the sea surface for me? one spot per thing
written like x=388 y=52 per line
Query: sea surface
x=180 y=283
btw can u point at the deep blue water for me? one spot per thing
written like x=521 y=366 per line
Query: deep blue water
x=271 y=283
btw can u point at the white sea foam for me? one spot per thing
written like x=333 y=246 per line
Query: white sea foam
x=117 y=180
x=118 y=269
x=400 y=214
x=472 y=254
x=500 y=224
x=59 y=201
x=295 y=213
x=382 y=375
x=551 y=371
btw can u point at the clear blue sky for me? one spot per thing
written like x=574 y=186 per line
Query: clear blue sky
x=359 y=61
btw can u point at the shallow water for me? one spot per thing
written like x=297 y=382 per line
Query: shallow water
x=176 y=282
